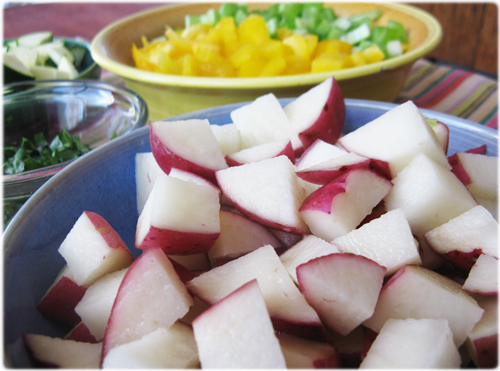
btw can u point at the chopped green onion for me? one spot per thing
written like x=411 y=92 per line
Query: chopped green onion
x=228 y=10
x=355 y=36
x=191 y=20
x=394 y=48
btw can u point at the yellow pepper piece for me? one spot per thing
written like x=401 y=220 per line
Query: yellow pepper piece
x=299 y=46
x=330 y=62
x=253 y=30
x=228 y=29
x=312 y=43
x=185 y=46
x=284 y=32
x=193 y=31
x=142 y=61
x=229 y=35
x=190 y=66
x=219 y=68
x=168 y=65
x=357 y=59
x=274 y=67
x=295 y=65
x=243 y=55
x=373 y=54
x=271 y=48
x=206 y=52
x=252 y=68
x=331 y=46
x=144 y=41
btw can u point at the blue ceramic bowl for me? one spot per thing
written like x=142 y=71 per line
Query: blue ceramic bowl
x=103 y=181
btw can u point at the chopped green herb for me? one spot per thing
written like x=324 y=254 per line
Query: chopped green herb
x=31 y=155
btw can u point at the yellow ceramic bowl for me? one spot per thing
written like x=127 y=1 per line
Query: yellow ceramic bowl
x=171 y=95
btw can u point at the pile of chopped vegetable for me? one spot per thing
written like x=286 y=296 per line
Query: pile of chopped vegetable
x=284 y=39
x=38 y=56
x=31 y=155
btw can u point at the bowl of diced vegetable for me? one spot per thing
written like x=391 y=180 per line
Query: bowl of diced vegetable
x=186 y=57
x=48 y=124
x=115 y=264
x=41 y=56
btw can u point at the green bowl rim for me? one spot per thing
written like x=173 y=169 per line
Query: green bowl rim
x=127 y=72
x=82 y=42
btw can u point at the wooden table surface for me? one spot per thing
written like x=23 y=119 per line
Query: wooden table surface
x=66 y=19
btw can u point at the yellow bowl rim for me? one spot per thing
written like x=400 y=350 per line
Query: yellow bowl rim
x=135 y=74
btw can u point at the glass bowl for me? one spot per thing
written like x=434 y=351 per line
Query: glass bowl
x=95 y=111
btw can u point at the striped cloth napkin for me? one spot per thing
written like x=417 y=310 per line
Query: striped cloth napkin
x=454 y=91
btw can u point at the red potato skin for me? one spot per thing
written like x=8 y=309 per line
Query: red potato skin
x=370 y=337
x=377 y=212
x=81 y=333
x=458 y=169
x=230 y=162
x=167 y=159
x=60 y=302
x=481 y=150
x=313 y=331
x=184 y=274
x=331 y=362
x=323 y=177
x=487 y=351
x=453 y=272
x=330 y=123
x=464 y=260
x=381 y=167
x=321 y=199
x=107 y=232
x=287 y=151
x=178 y=243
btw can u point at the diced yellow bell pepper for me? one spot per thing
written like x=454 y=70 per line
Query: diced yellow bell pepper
x=373 y=54
x=311 y=42
x=284 y=32
x=168 y=65
x=271 y=48
x=206 y=52
x=193 y=31
x=274 y=67
x=357 y=59
x=228 y=29
x=331 y=46
x=299 y=45
x=190 y=66
x=243 y=55
x=141 y=60
x=144 y=41
x=252 y=68
x=185 y=46
x=253 y=30
x=220 y=68
x=330 y=62
x=295 y=65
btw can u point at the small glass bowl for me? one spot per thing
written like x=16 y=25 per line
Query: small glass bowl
x=95 y=111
